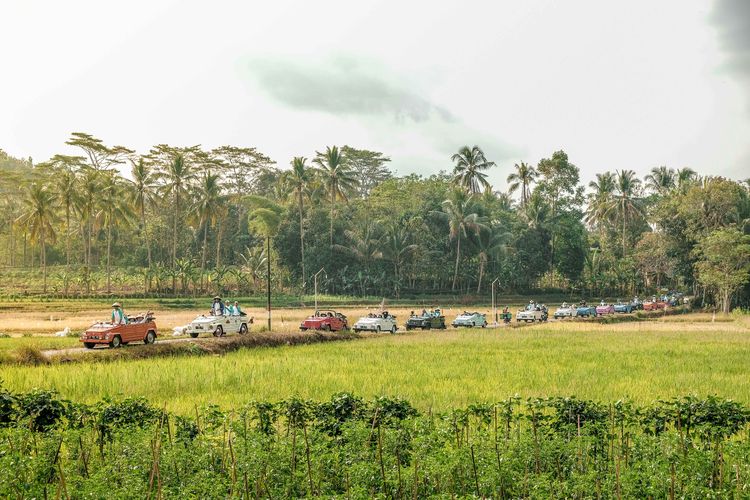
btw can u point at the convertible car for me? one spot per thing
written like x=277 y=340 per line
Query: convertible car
x=585 y=311
x=218 y=326
x=623 y=307
x=566 y=311
x=470 y=319
x=382 y=322
x=330 y=321
x=426 y=321
x=604 y=308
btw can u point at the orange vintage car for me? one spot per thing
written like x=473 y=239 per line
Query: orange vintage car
x=140 y=328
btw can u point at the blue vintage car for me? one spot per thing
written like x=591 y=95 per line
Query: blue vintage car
x=623 y=307
x=586 y=311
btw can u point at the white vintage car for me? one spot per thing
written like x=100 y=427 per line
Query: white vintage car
x=566 y=311
x=533 y=312
x=470 y=319
x=376 y=323
x=216 y=325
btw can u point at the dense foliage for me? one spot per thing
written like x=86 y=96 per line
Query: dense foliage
x=537 y=448
x=187 y=220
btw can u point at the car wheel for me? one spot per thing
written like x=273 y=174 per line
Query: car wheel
x=378 y=328
x=326 y=328
x=89 y=345
x=243 y=328
x=150 y=337
x=116 y=342
x=219 y=332
x=194 y=335
x=393 y=329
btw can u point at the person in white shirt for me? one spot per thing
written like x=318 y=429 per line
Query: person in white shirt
x=234 y=310
x=118 y=315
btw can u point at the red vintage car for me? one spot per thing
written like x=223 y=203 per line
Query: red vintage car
x=140 y=328
x=654 y=305
x=330 y=321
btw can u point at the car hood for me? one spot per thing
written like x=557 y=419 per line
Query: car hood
x=369 y=321
x=202 y=320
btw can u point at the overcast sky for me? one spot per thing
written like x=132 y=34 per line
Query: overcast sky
x=630 y=84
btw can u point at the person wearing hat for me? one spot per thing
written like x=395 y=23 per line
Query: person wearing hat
x=118 y=315
x=217 y=308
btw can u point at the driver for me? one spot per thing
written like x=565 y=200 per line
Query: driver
x=118 y=315
x=217 y=308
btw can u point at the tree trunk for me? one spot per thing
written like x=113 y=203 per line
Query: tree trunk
x=109 y=247
x=219 y=233
x=174 y=242
x=67 y=240
x=203 y=252
x=458 y=256
x=301 y=236
x=333 y=201
x=268 y=279
x=481 y=274
x=145 y=234
x=43 y=259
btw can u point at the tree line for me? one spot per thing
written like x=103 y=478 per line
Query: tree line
x=182 y=220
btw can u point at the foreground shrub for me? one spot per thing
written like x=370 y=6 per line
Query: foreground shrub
x=382 y=448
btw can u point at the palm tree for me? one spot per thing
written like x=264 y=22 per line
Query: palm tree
x=661 y=180
x=364 y=246
x=457 y=211
x=600 y=199
x=142 y=194
x=90 y=185
x=522 y=178
x=627 y=204
x=685 y=176
x=298 y=179
x=67 y=192
x=178 y=176
x=208 y=206
x=396 y=248
x=468 y=169
x=113 y=208
x=39 y=216
x=338 y=178
x=491 y=242
x=266 y=218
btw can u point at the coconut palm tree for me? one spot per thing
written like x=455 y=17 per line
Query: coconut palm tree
x=338 y=178
x=178 y=176
x=458 y=212
x=265 y=218
x=298 y=179
x=67 y=192
x=143 y=194
x=491 y=241
x=208 y=206
x=685 y=176
x=467 y=172
x=522 y=178
x=363 y=245
x=396 y=248
x=627 y=203
x=661 y=180
x=600 y=199
x=114 y=209
x=90 y=184
x=38 y=217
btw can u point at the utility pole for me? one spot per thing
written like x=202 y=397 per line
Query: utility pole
x=315 y=278
x=494 y=300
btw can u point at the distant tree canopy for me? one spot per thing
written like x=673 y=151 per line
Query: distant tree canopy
x=187 y=220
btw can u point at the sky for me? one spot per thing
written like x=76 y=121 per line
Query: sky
x=618 y=85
